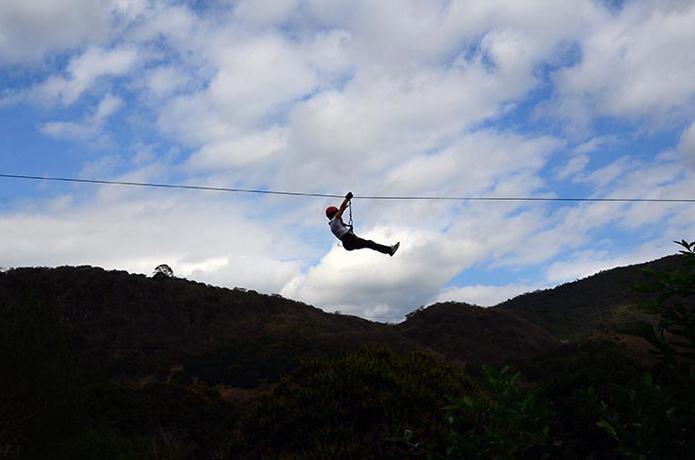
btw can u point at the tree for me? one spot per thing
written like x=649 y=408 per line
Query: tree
x=655 y=418
x=163 y=271
x=496 y=420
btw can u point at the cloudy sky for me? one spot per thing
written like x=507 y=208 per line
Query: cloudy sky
x=539 y=98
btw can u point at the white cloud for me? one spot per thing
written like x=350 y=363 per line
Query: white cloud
x=379 y=121
x=386 y=99
x=255 y=81
x=146 y=229
x=164 y=80
x=594 y=144
x=574 y=167
x=69 y=130
x=428 y=258
x=88 y=129
x=264 y=12
x=363 y=279
x=485 y=295
x=240 y=151
x=663 y=178
x=573 y=227
x=602 y=177
x=586 y=263
x=389 y=97
x=256 y=75
x=438 y=239
x=634 y=63
x=687 y=145
x=83 y=71
x=489 y=151
x=168 y=23
x=103 y=166
x=30 y=29
x=108 y=105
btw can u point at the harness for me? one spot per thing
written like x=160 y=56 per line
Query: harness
x=349 y=224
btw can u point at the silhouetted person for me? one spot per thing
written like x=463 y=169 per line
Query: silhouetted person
x=345 y=234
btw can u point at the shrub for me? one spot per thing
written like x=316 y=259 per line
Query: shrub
x=105 y=444
x=163 y=271
x=655 y=418
x=40 y=380
x=500 y=421
x=175 y=418
x=496 y=421
x=345 y=408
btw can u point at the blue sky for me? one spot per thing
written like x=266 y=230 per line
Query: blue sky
x=412 y=97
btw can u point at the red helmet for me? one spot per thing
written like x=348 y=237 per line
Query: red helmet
x=330 y=211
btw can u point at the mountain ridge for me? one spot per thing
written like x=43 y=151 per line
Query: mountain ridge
x=605 y=301
x=133 y=327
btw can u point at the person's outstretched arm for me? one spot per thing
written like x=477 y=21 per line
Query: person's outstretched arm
x=344 y=205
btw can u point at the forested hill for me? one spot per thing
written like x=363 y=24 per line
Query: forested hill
x=110 y=365
x=136 y=328
x=472 y=334
x=607 y=301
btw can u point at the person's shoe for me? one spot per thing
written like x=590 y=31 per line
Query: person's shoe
x=394 y=248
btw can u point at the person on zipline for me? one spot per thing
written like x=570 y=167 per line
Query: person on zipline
x=347 y=237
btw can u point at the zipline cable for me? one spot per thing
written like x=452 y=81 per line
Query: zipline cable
x=177 y=186
x=364 y=197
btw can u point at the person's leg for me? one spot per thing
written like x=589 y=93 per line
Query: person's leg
x=352 y=241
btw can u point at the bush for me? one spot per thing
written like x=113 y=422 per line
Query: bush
x=572 y=379
x=189 y=420
x=500 y=421
x=105 y=444
x=496 y=421
x=346 y=408
x=643 y=419
x=40 y=380
x=655 y=418
x=162 y=271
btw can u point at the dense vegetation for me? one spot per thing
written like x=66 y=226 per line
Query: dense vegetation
x=599 y=303
x=346 y=408
x=600 y=407
x=101 y=365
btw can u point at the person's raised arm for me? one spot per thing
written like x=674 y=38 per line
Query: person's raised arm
x=344 y=205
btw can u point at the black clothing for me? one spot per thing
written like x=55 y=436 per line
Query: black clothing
x=352 y=241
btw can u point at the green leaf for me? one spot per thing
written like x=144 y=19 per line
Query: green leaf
x=608 y=428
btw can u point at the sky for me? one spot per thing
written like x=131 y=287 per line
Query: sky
x=538 y=98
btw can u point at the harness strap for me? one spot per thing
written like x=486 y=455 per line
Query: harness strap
x=350 y=215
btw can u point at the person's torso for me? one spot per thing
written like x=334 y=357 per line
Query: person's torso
x=338 y=228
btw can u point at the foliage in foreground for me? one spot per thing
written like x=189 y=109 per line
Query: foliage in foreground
x=588 y=403
x=649 y=417
x=345 y=408
x=498 y=420
x=501 y=422
x=655 y=417
x=39 y=379
x=50 y=410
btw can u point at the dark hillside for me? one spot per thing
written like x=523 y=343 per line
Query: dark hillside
x=134 y=328
x=600 y=303
x=111 y=365
x=500 y=335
